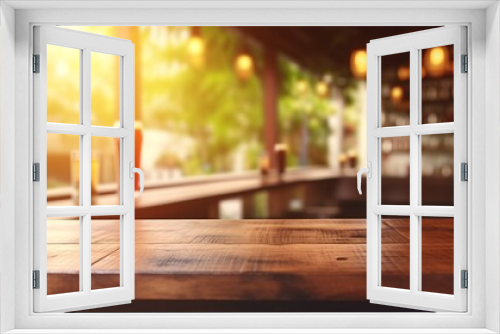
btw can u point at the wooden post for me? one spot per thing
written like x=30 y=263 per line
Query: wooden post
x=270 y=84
x=336 y=125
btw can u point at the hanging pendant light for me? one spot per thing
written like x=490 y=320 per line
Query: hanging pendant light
x=302 y=87
x=196 y=48
x=358 y=63
x=404 y=73
x=322 y=89
x=244 y=64
x=397 y=93
x=436 y=61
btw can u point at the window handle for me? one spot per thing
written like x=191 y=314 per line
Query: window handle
x=141 y=175
x=368 y=171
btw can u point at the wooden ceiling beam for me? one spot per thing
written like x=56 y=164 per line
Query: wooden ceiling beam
x=320 y=48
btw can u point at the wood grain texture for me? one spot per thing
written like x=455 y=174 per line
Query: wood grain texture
x=251 y=259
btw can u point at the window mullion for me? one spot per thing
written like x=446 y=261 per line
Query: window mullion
x=85 y=167
x=414 y=172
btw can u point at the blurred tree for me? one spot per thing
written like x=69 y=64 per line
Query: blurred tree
x=303 y=116
x=208 y=103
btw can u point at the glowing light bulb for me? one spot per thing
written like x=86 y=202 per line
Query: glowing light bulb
x=358 y=63
x=302 y=86
x=396 y=93
x=436 y=56
x=244 y=66
x=322 y=89
x=196 y=50
x=436 y=61
x=403 y=73
x=196 y=46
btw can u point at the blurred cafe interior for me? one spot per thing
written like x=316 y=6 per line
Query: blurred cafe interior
x=250 y=139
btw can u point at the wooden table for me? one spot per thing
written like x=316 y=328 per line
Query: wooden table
x=251 y=259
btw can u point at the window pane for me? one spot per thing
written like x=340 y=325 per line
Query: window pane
x=437 y=85
x=63 y=169
x=395 y=163
x=231 y=208
x=105 y=171
x=395 y=260
x=437 y=169
x=437 y=254
x=63 y=84
x=63 y=255
x=105 y=89
x=105 y=269
x=395 y=99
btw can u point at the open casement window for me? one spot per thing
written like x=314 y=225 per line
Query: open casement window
x=67 y=141
x=413 y=133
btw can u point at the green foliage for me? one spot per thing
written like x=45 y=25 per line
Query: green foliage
x=208 y=103
x=351 y=111
x=301 y=109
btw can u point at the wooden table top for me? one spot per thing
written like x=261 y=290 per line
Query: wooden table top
x=251 y=259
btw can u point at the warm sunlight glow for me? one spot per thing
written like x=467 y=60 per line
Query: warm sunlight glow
x=196 y=47
x=248 y=138
x=196 y=50
x=63 y=82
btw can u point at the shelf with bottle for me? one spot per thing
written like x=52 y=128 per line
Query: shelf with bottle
x=430 y=114
x=394 y=119
x=437 y=89
x=441 y=144
x=436 y=102
x=437 y=113
x=393 y=145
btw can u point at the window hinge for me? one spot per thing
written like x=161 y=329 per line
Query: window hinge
x=465 y=64
x=464 y=171
x=36 y=172
x=465 y=279
x=36 y=279
x=36 y=63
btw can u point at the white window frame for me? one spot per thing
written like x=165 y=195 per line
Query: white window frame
x=15 y=160
x=86 y=44
x=414 y=44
